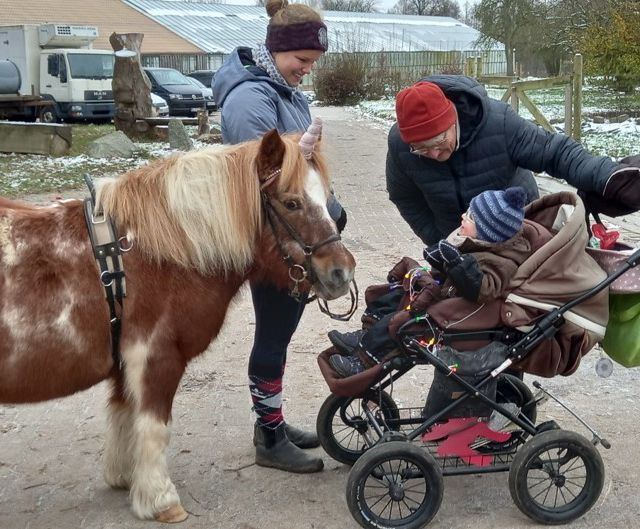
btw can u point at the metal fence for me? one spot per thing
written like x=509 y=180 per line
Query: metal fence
x=405 y=66
x=184 y=63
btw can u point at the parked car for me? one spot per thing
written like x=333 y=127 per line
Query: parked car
x=204 y=76
x=183 y=98
x=160 y=106
x=207 y=93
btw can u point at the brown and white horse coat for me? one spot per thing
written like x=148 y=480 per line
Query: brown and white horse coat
x=197 y=231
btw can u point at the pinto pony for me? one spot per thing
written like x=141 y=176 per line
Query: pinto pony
x=197 y=225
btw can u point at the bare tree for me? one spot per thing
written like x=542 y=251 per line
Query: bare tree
x=507 y=21
x=354 y=6
x=435 y=8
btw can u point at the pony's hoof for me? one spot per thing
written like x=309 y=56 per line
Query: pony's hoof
x=173 y=514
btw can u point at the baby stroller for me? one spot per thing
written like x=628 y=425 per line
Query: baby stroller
x=479 y=415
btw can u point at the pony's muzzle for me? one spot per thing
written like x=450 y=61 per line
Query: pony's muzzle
x=333 y=280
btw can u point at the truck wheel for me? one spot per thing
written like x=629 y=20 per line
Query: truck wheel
x=48 y=115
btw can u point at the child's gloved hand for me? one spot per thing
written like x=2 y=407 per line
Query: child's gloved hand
x=434 y=257
x=450 y=254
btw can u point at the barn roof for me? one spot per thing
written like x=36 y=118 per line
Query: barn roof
x=219 y=28
x=107 y=15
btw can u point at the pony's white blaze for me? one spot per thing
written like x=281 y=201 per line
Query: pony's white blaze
x=315 y=190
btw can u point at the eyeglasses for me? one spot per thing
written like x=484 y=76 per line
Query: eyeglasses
x=467 y=215
x=421 y=151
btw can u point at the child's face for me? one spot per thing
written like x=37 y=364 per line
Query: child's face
x=468 y=226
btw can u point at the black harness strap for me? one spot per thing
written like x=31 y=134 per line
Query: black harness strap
x=108 y=255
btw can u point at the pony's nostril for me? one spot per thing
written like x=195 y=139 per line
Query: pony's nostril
x=339 y=276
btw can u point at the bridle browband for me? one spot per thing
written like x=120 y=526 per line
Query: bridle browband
x=298 y=273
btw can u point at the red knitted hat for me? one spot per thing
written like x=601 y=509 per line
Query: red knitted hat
x=423 y=112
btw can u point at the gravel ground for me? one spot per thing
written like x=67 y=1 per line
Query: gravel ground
x=50 y=453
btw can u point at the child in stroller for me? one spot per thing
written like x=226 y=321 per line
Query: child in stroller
x=475 y=262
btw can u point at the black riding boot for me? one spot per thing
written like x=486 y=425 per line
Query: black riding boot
x=275 y=450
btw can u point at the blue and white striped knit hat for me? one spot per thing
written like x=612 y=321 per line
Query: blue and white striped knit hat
x=498 y=215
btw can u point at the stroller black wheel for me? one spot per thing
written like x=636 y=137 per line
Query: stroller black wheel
x=343 y=428
x=511 y=389
x=556 y=477
x=395 y=485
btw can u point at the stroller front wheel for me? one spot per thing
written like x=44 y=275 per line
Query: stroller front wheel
x=343 y=428
x=556 y=477
x=395 y=485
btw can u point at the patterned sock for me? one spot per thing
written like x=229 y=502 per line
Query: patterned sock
x=267 y=401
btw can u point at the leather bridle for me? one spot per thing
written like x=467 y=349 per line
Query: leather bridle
x=297 y=272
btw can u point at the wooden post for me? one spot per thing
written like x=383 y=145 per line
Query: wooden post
x=577 y=97
x=468 y=66
x=478 y=66
x=514 y=98
x=203 y=122
x=568 y=108
x=131 y=87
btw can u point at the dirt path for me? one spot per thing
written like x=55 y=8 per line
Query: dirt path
x=50 y=454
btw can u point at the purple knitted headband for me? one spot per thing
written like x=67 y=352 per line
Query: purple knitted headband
x=302 y=36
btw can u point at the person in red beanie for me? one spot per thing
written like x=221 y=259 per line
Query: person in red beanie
x=452 y=142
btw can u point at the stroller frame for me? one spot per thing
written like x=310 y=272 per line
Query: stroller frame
x=376 y=461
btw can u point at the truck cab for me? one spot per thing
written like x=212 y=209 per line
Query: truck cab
x=79 y=81
x=61 y=76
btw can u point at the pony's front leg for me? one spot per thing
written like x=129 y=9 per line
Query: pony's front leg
x=153 y=494
x=152 y=375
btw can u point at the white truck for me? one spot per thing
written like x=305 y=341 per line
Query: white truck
x=51 y=72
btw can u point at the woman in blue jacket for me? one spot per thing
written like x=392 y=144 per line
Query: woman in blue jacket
x=452 y=142
x=257 y=90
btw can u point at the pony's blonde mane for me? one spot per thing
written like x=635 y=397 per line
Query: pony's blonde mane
x=199 y=209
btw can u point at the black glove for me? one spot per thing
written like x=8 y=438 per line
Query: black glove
x=621 y=194
x=434 y=257
x=450 y=254
x=624 y=186
x=342 y=220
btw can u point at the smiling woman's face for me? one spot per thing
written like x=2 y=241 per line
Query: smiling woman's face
x=295 y=64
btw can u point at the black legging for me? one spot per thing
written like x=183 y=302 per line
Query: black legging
x=277 y=317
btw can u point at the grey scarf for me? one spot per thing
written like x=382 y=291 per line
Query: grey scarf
x=264 y=60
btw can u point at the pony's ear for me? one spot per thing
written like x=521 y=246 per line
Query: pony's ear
x=270 y=156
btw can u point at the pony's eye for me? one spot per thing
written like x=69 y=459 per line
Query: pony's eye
x=291 y=204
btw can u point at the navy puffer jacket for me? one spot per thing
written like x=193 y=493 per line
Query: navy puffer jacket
x=495 y=144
